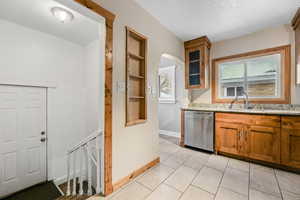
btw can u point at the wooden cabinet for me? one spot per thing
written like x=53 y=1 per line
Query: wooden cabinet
x=263 y=143
x=250 y=136
x=228 y=138
x=296 y=27
x=197 y=63
x=290 y=141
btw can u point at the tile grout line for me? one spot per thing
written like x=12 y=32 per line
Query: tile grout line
x=278 y=184
x=163 y=182
x=270 y=193
x=221 y=179
x=136 y=180
x=202 y=189
x=190 y=183
x=182 y=165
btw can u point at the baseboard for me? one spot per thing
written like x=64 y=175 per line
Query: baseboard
x=170 y=133
x=134 y=174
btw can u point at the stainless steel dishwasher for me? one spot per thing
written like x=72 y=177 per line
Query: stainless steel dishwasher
x=199 y=130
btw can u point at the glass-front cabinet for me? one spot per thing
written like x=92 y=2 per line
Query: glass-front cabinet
x=197 y=63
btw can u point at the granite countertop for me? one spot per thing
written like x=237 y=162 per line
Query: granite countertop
x=267 y=111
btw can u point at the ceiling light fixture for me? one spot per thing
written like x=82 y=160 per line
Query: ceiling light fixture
x=62 y=14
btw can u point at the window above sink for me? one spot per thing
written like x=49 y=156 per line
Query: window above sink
x=264 y=75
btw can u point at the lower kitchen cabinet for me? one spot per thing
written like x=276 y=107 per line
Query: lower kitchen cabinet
x=290 y=141
x=249 y=136
x=264 y=143
x=228 y=138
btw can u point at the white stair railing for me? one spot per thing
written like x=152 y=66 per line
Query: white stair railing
x=88 y=155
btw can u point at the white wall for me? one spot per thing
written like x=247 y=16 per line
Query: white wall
x=169 y=113
x=135 y=146
x=267 y=38
x=29 y=57
x=92 y=61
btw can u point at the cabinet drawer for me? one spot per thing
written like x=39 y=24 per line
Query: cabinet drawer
x=232 y=118
x=249 y=119
x=265 y=120
x=290 y=122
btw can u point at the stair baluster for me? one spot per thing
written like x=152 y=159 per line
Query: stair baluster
x=98 y=160
x=89 y=169
x=74 y=173
x=68 y=175
x=81 y=153
x=86 y=157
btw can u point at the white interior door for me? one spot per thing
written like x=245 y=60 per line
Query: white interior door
x=22 y=133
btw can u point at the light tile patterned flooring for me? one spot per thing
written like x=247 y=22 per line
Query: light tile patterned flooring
x=184 y=174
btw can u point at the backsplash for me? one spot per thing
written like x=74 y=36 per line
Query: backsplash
x=254 y=106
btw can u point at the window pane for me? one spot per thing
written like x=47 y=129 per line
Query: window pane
x=194 y=80
x=239 y=91
x=195 y=68
x=194 y=55
x=263 y=76
x=231 y=75
x=231 y=92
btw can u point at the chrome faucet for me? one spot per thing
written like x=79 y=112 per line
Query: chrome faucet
x=246 y=100
x=235 y=100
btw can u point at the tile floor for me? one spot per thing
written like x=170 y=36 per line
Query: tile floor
x=184 y=174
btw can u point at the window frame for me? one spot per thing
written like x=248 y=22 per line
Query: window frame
x=284 y=51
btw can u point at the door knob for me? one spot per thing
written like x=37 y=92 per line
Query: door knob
x=43 y=139
x=43 y=133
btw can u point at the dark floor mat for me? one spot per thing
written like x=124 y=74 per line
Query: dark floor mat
x=45 y=191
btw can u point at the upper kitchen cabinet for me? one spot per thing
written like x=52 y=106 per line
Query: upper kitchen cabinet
x=197 y=63
x=296 y=26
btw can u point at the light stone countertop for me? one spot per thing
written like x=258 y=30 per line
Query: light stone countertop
x=250 y=111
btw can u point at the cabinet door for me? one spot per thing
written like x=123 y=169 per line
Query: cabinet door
x=264 y=143
x=194 y=70
x=228 y=138
x=297 y=51
x=290 y=142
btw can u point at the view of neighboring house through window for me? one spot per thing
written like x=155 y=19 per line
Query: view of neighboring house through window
x=259 y=77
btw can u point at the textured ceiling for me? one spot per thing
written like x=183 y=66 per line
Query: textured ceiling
x=219 y=19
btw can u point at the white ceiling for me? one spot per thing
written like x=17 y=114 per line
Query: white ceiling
x=36 y=14
x=219 y=19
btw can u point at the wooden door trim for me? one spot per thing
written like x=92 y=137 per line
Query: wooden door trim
x=109 y=18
